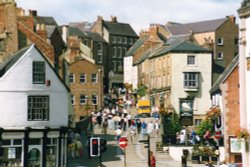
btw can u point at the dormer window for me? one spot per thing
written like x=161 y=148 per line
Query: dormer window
x=38 y=72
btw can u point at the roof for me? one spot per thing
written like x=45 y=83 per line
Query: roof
x=135 y=46
x=50 y=29
x=45 y=20
x=179 y=44
x=76 y=32
x=83 y=26
x=122 y=29
x=225 y=74
x=96 y=37
x=11 y=60
x=196 y=27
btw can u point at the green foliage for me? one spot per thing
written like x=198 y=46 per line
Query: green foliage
x=172 y=123
x=142 y=90
x=205 y=124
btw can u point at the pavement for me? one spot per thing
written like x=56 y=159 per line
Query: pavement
x=135 y=155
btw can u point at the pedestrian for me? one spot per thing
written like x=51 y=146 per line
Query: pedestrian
x=193 y=137
x=138 y=126
x=118 y=133
x=150 y=128
x=78 y=148
x=152 y=159
x=105 y=126
x=71 y=149
x=157 y=128
x=132 y=135
x=144 y=128
x=207 y=136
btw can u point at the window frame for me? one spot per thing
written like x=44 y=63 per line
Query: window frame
x=38 y=73
x=220 y=55
x=81 y=78
x=73 y=99
x=83 y=99
x=220 y=41
x=94 y=99
x=43 y=112
x=94 y=78
x=191 y=60
x=71 y=78
x=194 y=80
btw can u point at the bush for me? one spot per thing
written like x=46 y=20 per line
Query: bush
x=205 y=124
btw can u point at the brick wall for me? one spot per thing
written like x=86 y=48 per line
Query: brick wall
x=232 y=113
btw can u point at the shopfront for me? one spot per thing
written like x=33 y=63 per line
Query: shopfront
x=33 y=148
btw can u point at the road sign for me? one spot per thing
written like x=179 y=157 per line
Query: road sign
x=123 y=142
x=217 y=135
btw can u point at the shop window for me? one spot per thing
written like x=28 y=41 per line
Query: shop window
x=51 y=152
x=35 y=141
x=34 y=158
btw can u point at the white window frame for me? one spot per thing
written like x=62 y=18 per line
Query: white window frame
x=71 y=78
x=191 y=60
x=220 y=55
x=114 y=39
x=94 y=78
x=99 y=57
x=73 y=99
x=114 y=52
x=191 y=80
x=94 y=98
x=119 y=52
x=83 y=76
x=83 y=99
x=38 y=108
x=220 y=41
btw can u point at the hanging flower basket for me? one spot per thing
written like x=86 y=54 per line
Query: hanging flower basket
x=243 y=134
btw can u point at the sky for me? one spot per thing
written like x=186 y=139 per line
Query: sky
x=138 y=13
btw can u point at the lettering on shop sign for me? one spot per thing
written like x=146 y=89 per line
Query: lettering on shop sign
x=13 y=135
x=53 y=134
x=11 y=153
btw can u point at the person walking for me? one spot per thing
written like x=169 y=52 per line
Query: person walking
x=144 y=128
x=105 y=126
x=152 y=159
x=157 y=128
x=150 y=128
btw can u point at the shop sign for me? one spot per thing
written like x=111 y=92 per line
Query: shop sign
x=36 y=134
x=13 y=135
x=11 y=153
x=186 y=121
x=53 y=134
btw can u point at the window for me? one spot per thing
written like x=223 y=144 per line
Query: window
x=197 y=122
x=82 y=78
x=94 y=78
x=220 y=41
x=94 y=99
x=38 y=108
x=99 y=57
x=236 y=41
x=73 y=99
x=38 y=72
x=83 y=99
x=191 y=60
x=131 y=41
x=220 y=55
x=99 y=47
x=190 y=80
x=120 y=67
x=113 y=39
x=119 y=40
x=114 y=66
x=124 y=50
x=124 y=40
x=114 y=52
x=119 y=52
x=71 y=78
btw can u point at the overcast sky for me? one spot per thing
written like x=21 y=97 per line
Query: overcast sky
x=138 y=13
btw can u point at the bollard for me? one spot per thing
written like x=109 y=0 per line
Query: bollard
x=183 y=161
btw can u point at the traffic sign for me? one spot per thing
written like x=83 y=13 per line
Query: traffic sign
x=123 y=142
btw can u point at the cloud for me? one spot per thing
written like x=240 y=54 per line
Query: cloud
x=139 y=13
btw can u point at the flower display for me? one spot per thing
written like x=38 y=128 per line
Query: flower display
x=242 y=133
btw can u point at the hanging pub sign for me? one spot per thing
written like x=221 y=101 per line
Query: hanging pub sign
x=186 y=112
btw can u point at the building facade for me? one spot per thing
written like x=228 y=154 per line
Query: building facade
x=34 y=120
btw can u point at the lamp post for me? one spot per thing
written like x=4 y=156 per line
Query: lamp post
x=100 y=87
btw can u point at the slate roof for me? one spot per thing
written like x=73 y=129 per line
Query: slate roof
x=120 y=29
x=50 y=30
x=11 y=60
x=135 y=46
x=225 y=74
x=83 y=26
x=196 y=27
x=45 y=20
x=76 y=32
x=179 y=44
x=96 y=37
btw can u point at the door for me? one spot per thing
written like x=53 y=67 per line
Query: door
x=35 y=156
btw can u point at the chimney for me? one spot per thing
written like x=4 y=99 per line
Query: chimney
x=232 y=18
x=143 y=34
x=114 y=19
x=41 y=31
x=32 y=13
x=153 y=29
x=65 y=29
